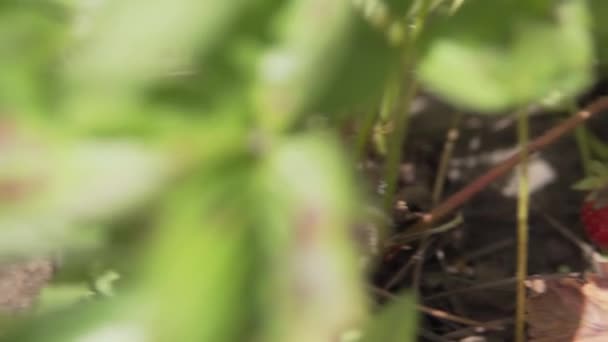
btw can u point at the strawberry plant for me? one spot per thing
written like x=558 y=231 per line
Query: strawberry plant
x=594 y=211
x=191 y=150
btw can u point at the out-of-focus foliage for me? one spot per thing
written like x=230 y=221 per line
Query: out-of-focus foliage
x=161 y=143
x=491 y=56
x=599 y=9
x=311 y=265
x=168 y=119
x=395 y=324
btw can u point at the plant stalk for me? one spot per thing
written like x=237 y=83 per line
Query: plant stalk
x=522 y=225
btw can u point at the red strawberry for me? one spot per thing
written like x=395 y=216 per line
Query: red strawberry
x=594 y=215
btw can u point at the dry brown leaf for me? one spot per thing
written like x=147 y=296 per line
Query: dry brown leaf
x=568 y=309
x=21 y=282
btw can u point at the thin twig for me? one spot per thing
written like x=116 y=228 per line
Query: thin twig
x=585 y=248
x=491 y=248
x=435 y=312
x=497 y=284
x=417 y=274
x=397 y=277
x=449 y=317
x=416 y=258
x=549 y=137
x=408 y=237
x=446 y=156
x=483 y=286
x=431 y=336
x=467 y=331
x=581 y=141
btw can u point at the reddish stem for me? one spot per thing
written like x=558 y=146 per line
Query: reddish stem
x=549 y=137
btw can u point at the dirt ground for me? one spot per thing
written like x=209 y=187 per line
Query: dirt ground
x=468 y=271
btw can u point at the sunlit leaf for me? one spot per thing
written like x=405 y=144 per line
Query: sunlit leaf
x=56 y=196
x=32 y=37
x=493 y=56
x=327 y=56
x=196 y=267
x=127 y=42
x=313 y=291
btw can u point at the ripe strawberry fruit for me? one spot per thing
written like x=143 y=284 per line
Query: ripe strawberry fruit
x=594 y=214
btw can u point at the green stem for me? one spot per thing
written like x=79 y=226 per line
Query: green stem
x=401 y=114
x=365 y=130
x=580 y=134
x=522 y=226
x=401 y=121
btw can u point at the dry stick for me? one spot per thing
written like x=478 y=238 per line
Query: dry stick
x=397 y=277
x=418 y=258
x=417 y=273
x=446 y=156
x=464 y=332
x=451 y=138
x=432 y=336
x=585 y=248
x=498 y=284
x=436 y=312
x=484 y=286
x=504 y=167
x=488 y=249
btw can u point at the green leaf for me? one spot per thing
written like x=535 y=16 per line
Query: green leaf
x=104 y=283
x=327 y=57
x=121 y=320
x=491 y=56
x=599 y=148
x=395 y=323
x=195 y=273
x=589 y=184
x=313 y=280
x=61 y=195
x=32 y=37
x=598 y=168
x=599 y=12
x=125 y=43
x=61 y=296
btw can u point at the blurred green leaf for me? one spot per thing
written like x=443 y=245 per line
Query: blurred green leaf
x=104 y=283
x=124 y=43
x=117 y=321
x=195 y=273
x=494 y=56
x=313 y=290
x=57 y=297
x=32 y=37
x=60 y=195
x=598 y=177
x=395 y=323
x=327 y=57
x=599 y=147
x=598 y=168
x=599 y=12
